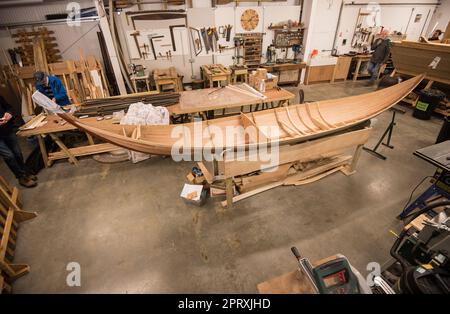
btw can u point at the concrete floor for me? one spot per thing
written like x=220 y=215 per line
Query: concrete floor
x=127 y=227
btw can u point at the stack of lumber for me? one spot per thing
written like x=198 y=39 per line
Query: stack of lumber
x=296 y=173
x=25 y=39
x=10 y=216
x=105 y=106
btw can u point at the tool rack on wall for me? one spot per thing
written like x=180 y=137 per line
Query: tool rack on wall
x=252 y=49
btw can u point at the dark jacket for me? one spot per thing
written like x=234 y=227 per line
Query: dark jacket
x=7 y=128
x=381 y=48
x=57 y=87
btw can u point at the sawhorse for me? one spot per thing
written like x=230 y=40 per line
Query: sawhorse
x=387 y=132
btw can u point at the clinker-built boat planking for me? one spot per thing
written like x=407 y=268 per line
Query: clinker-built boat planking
x=294 y=124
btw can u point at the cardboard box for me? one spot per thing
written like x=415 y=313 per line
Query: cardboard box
x=266 y=85
x=261 y=73
x=194 y=194
x=256 y=77
x=272 y=83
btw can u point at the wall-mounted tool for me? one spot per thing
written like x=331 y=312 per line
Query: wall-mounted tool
x=198 y=43
x=172 y=37
x=145 y=47
x=135 y=35
x=238 y=58
x=223 y=48
x=152 y=45
x=169 y=55
x=211 y=38
x=196 y=40
x=228 y=31
x=205 y=39
x=216 y=37
x=154 y=16
x=271 y=54
x=223 y=31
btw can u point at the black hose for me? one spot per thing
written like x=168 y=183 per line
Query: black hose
x=403 y=262
x=414 y=215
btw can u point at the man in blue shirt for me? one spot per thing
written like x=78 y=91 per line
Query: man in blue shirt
x=52 y=87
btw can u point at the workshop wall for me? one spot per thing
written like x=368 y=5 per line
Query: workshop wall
x=68 y=38
x=398 y=17
x=203 y=16
x=440 y=19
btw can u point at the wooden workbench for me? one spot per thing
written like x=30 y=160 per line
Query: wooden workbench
x=288 y=73
x=201 y=100
x=215 y=73
x=54 y=125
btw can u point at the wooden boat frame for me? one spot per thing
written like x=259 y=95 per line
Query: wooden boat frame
x=296 y=123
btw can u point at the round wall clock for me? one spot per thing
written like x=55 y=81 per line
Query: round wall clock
x=249 y=19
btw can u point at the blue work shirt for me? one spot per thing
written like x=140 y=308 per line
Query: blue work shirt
x=57 y=87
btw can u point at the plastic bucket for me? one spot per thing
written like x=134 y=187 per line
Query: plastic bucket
x=428 y=100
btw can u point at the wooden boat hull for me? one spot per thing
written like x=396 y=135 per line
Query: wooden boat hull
x=414 y=58
x=279 y=126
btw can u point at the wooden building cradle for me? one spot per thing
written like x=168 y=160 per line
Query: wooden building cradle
x=296 y=123
x=414 y=58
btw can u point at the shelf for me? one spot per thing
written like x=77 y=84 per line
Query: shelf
x=292 y=29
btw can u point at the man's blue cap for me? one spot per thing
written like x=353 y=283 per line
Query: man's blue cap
x=39 y=77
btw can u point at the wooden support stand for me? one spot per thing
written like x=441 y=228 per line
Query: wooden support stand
x=215 y=73
x=297 y=165
x=11 y=215
x=239 y=73
x=52 y=126
x=167 y=77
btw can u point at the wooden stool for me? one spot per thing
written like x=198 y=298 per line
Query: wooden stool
x=239 y=72
x=167 y=77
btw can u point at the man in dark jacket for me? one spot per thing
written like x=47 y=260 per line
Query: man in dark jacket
x=381 y=47
x=9 y=147
x=52 y=87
